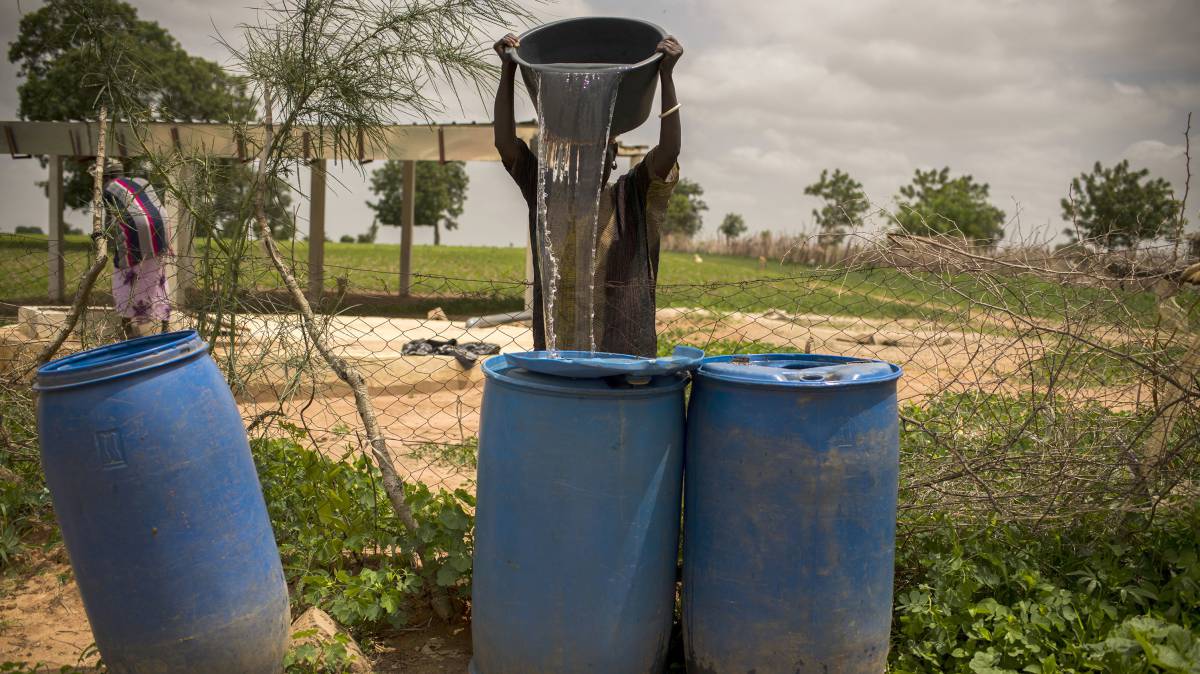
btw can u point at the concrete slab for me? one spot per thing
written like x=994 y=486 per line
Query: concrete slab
x=45 y=321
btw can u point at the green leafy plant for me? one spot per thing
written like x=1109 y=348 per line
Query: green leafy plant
x=1003 y=597
x=342 y=546
x=25 y=510
x=1146 y=644
x=318 y=656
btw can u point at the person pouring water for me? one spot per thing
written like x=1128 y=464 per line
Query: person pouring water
x=631 y=214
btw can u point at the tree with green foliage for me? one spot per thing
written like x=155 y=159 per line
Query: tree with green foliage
x=29 y=230
x=1117 y=207
x=441 y=191
x=371 y=234
x=733 y=226
x=232 y=189
x=935 y=204
x=685 y=209
x=65 y=79
x=844 y=207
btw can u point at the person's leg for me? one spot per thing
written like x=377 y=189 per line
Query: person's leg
x=126 y=328
x=166 y=326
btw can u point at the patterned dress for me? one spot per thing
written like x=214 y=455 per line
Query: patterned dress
x=141 y=240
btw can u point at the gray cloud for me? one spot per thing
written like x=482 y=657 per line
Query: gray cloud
x=1023 y=95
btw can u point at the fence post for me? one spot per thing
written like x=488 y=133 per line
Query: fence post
x=408 y=215
x=316 y=229
x=181 y=220
x=54 y=232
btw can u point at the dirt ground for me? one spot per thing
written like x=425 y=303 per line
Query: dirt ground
x=41 y=616
x=42 y=621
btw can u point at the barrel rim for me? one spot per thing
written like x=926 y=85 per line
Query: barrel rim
x=550 y=67
x=119 y=360
x=702 y=373
x=496 y=369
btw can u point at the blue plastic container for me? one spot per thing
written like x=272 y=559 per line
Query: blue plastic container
x=790 y=515
x=577 y=522
x=161 y=511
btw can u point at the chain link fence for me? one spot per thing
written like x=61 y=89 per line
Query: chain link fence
x=1037 y=386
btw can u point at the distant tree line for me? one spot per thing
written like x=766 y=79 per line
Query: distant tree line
x=1110 y=207
x=1113 y=208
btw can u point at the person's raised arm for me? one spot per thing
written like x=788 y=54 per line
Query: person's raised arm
x=504 y=124
x=670 y=134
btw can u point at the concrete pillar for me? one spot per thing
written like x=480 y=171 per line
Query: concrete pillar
x=316 y=229
x=54 y=230
x=408 y=216
x=183 y=236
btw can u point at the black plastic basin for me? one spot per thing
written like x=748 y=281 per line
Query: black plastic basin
x=597 y=43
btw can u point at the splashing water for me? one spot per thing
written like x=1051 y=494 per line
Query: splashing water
x=574 y=115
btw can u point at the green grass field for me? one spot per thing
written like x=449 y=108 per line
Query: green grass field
x=467 y=279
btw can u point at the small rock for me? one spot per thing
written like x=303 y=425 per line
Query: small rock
x=436 y=314
x=324 y=628
x=432 y=648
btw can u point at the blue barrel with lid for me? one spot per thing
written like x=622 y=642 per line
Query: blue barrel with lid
x=790 y=515
x=161 y=511
x=577 y=518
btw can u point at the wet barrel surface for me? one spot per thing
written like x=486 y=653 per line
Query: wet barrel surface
x=790 y=512
x=577 y=522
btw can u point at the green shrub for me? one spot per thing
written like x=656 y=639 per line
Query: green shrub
x=1009 y=598
x=25 y=509
x=343 y=548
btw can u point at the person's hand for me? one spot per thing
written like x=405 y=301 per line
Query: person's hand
x=671 y=51
x=504 y=47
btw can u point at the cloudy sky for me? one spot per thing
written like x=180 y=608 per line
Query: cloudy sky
x=1021 y=94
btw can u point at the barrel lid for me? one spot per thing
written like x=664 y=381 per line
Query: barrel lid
x=799 y=370
x=597 y=365
x=582 y=373
x=118 y=360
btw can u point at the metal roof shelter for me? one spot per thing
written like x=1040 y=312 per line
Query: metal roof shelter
x=409 y=143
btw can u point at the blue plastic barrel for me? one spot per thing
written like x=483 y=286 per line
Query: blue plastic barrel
x=161 y=511
x=577 y=520
x=790 y=515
